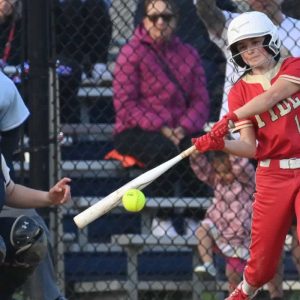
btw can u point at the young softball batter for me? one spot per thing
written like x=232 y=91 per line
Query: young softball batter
x=226 y=226
x=264 y=106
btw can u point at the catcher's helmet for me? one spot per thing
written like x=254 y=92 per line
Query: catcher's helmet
x=250 y=25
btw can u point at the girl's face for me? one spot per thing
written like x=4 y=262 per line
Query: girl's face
x=159 y=21
x=253 y=53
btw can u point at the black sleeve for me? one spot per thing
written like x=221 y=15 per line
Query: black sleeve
x=9 y=143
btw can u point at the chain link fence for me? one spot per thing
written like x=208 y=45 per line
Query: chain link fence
x=125 y=107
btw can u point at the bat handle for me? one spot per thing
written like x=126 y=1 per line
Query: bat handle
x=188 y=151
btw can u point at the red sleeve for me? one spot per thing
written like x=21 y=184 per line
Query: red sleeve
x=235 y=101
x=290 y=70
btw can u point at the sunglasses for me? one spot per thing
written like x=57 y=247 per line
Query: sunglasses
x=167 y=18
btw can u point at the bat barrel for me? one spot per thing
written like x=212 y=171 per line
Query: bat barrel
x=102 y=207
x=90 y=214
x=112 y=200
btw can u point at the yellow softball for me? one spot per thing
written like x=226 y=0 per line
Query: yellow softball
x=133 y=200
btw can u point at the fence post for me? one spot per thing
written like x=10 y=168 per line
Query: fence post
x=43 y=122
x=37 y=18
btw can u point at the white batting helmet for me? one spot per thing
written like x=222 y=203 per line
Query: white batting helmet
x=250 y=25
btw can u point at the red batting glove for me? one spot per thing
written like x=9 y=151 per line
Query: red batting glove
x=221 y=128
x=208 y=142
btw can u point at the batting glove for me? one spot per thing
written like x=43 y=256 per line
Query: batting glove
x=208 y=142
x=221 y=128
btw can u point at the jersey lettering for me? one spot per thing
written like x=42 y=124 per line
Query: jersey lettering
x=273 y=116
x=295 y=102
x=260 y=122
x=284 y=107
x=283 y=111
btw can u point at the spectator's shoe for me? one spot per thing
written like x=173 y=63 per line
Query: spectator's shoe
x=61 y=298
x=208 y=268
x=163 y=228
x=238 y=294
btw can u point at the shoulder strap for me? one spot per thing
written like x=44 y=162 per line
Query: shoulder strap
x=169 y=73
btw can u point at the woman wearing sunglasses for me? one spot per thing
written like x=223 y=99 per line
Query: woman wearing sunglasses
x=160 y=99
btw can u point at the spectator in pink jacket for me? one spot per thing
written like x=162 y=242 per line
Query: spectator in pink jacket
x=160 y=96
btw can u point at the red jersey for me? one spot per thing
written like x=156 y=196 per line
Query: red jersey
x=277 y=130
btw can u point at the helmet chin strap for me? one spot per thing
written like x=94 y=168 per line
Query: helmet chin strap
x=240 y=69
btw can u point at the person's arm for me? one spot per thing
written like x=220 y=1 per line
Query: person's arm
x=211 y=15
x=23 y=197
x=174 y=135
x=245 y=146
x=286 y=86
x=281 y=89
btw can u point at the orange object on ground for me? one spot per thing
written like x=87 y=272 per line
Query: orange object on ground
x=127 y=161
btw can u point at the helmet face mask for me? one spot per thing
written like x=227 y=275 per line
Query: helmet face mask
x=251 y=25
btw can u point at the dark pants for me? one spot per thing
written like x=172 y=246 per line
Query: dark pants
x=153 y=148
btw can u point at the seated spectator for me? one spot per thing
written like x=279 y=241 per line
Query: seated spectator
x=160 y=100
x=226 y=226
x=83 y=35
x=190 y=29
x=13 y=51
